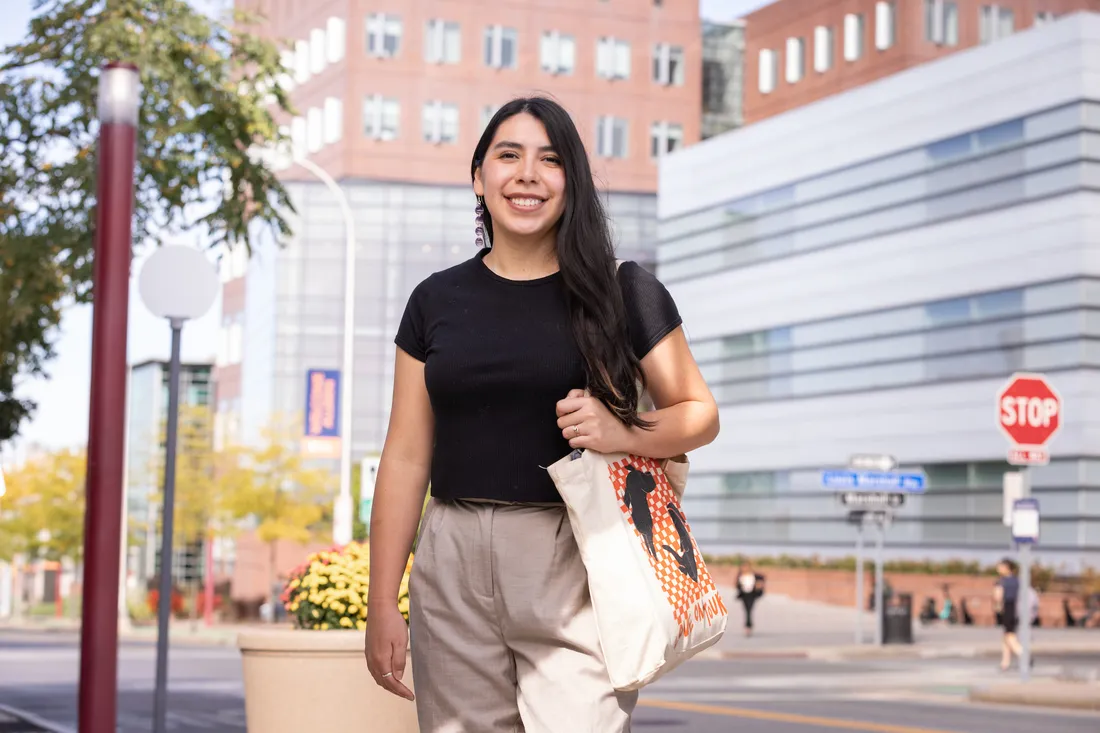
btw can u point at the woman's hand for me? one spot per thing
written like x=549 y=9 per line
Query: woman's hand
x=386 y=643
x=587 y=423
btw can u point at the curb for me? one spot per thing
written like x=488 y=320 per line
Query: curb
x=890 y=652
x=1067 y=696
x=33 y=719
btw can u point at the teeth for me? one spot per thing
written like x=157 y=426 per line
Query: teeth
x=526 y=202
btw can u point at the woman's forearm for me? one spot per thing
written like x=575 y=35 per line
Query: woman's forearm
x=677 y=430
x=395 y=517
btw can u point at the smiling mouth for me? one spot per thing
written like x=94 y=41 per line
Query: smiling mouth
x=525 y=203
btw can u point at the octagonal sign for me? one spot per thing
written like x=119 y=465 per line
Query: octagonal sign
x=1029 y=413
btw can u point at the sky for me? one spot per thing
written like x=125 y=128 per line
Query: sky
x=62 y=416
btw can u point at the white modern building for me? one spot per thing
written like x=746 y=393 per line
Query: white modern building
x=861 y=275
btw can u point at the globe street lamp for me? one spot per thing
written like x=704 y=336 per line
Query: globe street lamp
x=177 y=283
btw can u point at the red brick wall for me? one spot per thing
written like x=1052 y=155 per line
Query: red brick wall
x=838 y=587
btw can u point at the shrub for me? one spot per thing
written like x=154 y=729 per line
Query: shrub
x=329 y=591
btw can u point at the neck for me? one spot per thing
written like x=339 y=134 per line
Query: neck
x=526 y=260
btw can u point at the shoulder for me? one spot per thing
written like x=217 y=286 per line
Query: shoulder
x=651 y=312
x=442 y=281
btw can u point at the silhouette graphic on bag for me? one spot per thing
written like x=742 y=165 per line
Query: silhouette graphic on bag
x=686 y=557
x=638 y=485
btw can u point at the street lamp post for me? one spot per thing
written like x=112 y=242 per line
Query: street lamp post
x=342 y=512
x=118 y=117
x=177 y=283
x=283 y=156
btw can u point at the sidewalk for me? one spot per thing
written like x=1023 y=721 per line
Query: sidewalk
x=180 y=632
x=784 y=627
x=1042 y=693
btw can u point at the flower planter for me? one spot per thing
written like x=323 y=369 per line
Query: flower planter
x=297 y=680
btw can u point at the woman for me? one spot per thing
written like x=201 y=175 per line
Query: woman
x=750 y=586
x=1006 y=594
x=494 y=358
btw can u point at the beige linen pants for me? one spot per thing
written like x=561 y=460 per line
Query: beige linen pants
x=503 y=634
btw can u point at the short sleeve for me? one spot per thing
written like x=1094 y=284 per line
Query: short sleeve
x=412 y=331
x=651 y=313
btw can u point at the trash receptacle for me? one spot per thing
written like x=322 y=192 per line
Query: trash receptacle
x=897 y=621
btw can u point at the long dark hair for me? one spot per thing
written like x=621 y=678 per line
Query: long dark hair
x=586 y=258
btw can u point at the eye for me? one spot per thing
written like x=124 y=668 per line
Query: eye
x=553 y=160
x=507 y=154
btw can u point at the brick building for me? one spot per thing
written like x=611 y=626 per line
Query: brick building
x=800 y=51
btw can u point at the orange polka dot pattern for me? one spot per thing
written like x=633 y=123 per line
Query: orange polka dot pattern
x=682 y=592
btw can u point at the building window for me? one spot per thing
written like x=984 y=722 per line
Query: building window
x=796 y=64
x=317 y=51
x=884 y=25
x=665 y=137
x=558 y=53
x=440 y=122
x=383 y=35
x=1043 y=17
x=442 y=42
x=315 y=129
x=334 y=120
x=823 y=48
x=487 y=113
x=336 y=40
x=500 y=47
x=612 y=59
x=668 y=65
x=301 y=62
x=611 y=134
x=381 y=117
x=768 y=71
x=994 y=23
x=941 y=22
x=853 y=37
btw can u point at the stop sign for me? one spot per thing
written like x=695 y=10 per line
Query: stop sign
x=1029 y=410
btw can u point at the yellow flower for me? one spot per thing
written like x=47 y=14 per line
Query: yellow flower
x=353 y=609
x=361 y=625
x=403 y=605
x=295 y=583
x=324 y=627
x=345 y=622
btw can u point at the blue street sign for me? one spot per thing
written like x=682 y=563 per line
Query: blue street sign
x=1025 y=521
x=906 y=483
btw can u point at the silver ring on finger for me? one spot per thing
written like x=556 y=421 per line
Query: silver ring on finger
x=577 y=431
x=387 y=674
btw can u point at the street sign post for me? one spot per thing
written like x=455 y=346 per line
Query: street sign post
x=872 y=481
x=1029 y=413
x=1025 y=532
x=871 y=484
x=368 y=476
x=872 y=499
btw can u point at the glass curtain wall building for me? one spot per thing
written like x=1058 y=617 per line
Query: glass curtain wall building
x=863 y=274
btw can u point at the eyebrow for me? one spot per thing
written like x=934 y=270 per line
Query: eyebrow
x=516 y=146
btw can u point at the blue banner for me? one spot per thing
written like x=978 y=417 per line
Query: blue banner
x=322 y=403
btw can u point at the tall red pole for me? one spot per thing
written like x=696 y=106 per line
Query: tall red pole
x=118 y=116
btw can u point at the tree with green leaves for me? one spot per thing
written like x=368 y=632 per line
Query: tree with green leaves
x=211 y=90
x=273 y=486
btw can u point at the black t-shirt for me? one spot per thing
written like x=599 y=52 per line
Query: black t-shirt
x=499 y=354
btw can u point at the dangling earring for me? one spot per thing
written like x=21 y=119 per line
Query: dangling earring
x=479 y=225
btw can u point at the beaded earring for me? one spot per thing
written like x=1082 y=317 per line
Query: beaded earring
x=479 y=224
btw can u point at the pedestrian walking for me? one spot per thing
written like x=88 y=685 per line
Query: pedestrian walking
x=1006 y=594
x=750 y=586
x=535 y=346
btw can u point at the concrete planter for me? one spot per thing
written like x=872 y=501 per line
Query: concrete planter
x=297 y=681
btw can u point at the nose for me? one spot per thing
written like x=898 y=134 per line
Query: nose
x=527 y=171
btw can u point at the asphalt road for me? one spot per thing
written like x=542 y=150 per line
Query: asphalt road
x=39 y=672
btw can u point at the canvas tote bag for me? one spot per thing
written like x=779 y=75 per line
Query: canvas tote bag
x=656 y=605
